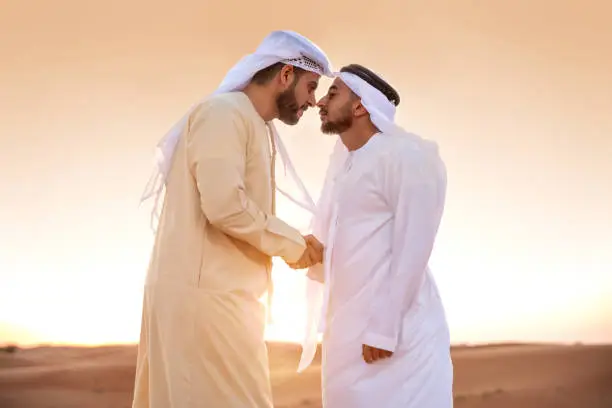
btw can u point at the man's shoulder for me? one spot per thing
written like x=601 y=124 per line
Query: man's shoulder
x=230 y=104
x=410 y=145
x=236 y=100
x=414 y=153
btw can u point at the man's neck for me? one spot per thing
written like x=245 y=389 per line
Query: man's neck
x=356 y=137
x=263 y=101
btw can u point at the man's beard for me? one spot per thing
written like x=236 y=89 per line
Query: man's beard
x=287 y=105
x=341 y=125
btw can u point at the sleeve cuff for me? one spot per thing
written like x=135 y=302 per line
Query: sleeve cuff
x=294 y=245
x=380 y=342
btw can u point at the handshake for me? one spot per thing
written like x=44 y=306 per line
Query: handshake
x=311 y=256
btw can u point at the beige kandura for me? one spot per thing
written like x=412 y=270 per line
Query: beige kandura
x=202 y=336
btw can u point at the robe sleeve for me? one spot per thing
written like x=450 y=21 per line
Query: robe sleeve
x=217 y=151
x=416 y=194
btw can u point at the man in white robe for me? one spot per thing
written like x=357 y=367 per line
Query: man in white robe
x=202 y=335
x=386 y=341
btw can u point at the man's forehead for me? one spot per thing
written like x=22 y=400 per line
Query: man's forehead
x=312 y=76
x=339 y=85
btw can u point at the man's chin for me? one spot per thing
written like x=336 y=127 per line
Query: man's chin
x=328 y=130
x=291 y=121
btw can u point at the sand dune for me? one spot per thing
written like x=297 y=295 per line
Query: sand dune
x=504 y=376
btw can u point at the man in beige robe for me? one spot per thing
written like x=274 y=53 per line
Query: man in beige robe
x=202 y=335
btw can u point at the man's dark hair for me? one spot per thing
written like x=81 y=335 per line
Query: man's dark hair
x=265 y=75
x=374 y=80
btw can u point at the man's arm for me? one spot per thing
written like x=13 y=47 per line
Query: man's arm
x=217 y=149
x=416 y=194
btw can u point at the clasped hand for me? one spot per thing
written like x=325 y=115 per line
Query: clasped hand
x=311 y=256
x=373 y=354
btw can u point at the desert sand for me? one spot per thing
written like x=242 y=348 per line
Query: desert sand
x=499 y=376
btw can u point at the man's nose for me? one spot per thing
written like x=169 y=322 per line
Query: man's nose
x=321 y=102
x=312 y=101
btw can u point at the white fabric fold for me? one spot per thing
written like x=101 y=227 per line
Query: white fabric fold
x=279 y=46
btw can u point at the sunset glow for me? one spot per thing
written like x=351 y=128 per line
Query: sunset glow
x=522 y=118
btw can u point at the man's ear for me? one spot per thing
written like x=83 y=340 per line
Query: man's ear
x=287 y=75
x=359 y=110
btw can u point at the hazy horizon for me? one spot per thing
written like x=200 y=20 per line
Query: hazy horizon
x=517 y=94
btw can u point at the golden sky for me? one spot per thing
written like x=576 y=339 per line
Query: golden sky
x=517 y=93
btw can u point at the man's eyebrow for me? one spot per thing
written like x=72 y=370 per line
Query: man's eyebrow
x=333 y=88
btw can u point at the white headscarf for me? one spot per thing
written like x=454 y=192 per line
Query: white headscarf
x=279 y=46
x=382 y=114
